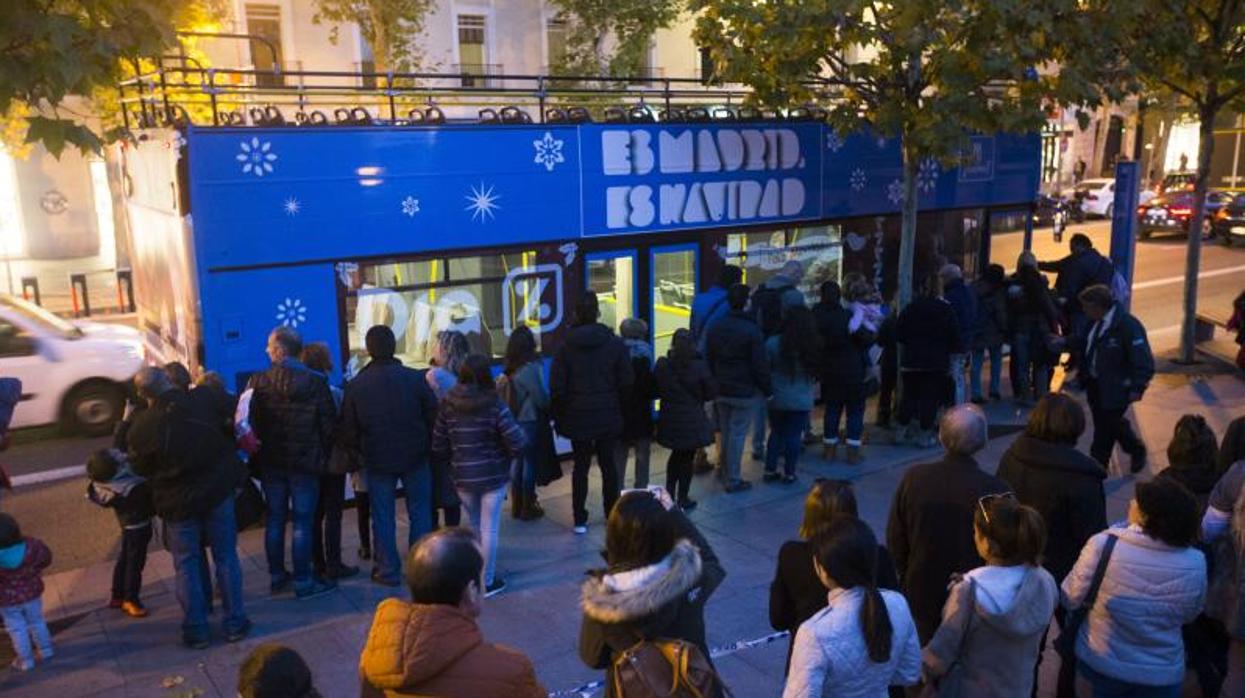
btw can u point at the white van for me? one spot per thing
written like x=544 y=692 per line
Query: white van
x=73 y=373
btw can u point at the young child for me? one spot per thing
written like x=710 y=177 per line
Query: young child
x=22 y=561
x=113 y=486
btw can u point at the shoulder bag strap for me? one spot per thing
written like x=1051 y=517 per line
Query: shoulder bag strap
x=1100 y=571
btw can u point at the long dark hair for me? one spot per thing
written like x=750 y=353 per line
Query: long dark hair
x=848 y=552
x=520 y=350
x=639 y=532
x=799 y=346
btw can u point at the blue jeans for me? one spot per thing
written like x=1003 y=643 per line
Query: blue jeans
x=294 y=495
x=1103 y=686
x=383 y=491
x=758 y=428
x=221 y=529
x=786 y=434
x=523 y=479
x=855 y=421
x=996 y=370
x=734 y=413
x=484 y=512
x=23 y=622
x=959 y=364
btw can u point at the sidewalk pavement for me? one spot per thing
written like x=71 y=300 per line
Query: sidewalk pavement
x=100 y=652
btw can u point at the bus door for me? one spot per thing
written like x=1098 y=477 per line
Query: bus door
x=673 y=283
x=612 y=276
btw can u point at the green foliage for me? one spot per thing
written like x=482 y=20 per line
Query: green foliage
x=391 y=28
x=56 y=49
x=611 y=37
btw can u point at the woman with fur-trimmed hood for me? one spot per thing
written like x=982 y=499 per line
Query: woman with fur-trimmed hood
x=660 y=573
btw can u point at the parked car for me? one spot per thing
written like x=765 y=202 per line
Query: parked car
x=1230 y=219
x=75 y=374
x=1097 y=197
x=1172 y=212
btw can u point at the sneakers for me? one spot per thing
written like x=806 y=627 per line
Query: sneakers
x=771 y=476
x=238 y=634
x=133 y=609
x=316 y=587
x=580 y=529
x=737 y=486
x=497 y=587
x=23 y=666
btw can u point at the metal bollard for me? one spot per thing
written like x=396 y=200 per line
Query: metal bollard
x=30 y=284
x=81 y=307
x=125 y=300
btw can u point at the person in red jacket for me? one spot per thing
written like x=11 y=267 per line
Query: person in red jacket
x=22 y=561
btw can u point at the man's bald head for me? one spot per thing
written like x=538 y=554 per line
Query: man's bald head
x=963 y=430
x=441 y=565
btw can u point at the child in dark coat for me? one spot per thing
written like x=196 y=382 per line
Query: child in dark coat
x=115 y=487
x=22 y=561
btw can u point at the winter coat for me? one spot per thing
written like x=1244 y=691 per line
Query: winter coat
x=789 y=296
x=529 y=393
x=479 y=437
x=930 y=532
x=387 y=415
x=21 y=571
x=684 y=388
x=637 y=401
x=1004 y=611
x=293 y=414
x=1030 y=308
x=846 y=353
x=587 y=379
x=438 y=650
x=796 y=593
x=1122 y=363
x=1149 y=591
x=791 y=383
x=707 y=308
x=929 y=333
x=963 y=302
x=663 y=600
x=990 y=328
x=1076 y=272
x=1065 y=486
x=177 y=445
x=129 y=497
x=830 y=657
x=736 y=356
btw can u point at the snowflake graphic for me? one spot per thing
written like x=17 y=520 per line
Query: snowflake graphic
x=548 y=151
x=483 y=203
x=291 y=312
x=292 y=206
x=568 y=252
x=834 y=141
x=858 y=179
x=894 y=192
x=927 y=175
x=256 y=157
x=410 y=206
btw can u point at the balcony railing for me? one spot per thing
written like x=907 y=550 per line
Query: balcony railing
x=479 y=74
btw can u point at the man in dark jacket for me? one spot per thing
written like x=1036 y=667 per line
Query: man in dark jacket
x=192 y=469
x=387 y=416
x=1117 y=369
x=293 y=414
x=1081 y=269
x=964 y=304
x=736 y=355
x=930 y=532
x=989 y=332
x=587 y=378
x=928 y=335
x=846 y=340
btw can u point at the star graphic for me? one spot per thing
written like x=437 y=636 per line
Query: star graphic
x=483 y=203
x=292 y=206
x=410 y=206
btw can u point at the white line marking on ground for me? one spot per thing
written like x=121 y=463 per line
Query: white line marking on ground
x=1154 y=283
x=66 y=473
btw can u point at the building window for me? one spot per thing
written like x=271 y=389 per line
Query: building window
x=555 y=43
x=265 y=21
x=473 y=62
x=707 y=68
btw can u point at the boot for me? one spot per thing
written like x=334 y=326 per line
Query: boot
x=855 y=454
x=830 y=451
x=531 y=508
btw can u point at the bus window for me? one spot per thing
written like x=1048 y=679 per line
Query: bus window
x=674 y=285
x=611 y=275
x=762 y=255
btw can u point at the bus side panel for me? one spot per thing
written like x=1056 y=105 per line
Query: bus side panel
x=240 y=308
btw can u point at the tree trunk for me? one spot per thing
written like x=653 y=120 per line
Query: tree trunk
x=907 y=237
x=1193 y=258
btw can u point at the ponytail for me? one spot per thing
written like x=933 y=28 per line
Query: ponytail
x=847 y=551
x=875 y=624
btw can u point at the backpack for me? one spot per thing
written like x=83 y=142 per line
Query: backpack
x=767 y=305
x=665 y=668
x=1114 y=280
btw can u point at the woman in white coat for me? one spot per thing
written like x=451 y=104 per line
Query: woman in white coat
x=1154 y=583
x=864 y=640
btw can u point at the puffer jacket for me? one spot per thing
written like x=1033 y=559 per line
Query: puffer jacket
x=293 y=414
x=437 y=650
x=21 y=571
x=1004 y=616
x=735 y=352
x=830 y=658
x=479 y=437
x=587 y=379
x=1149 y=591
x=684 y=388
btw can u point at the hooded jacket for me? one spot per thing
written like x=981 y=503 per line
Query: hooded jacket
x=437 y=650
x=293 y=414
x=1004 y=611
x=586 y=382
x=128 y=495
x=477 y=434
x=387 y=416
x=1065 y=486
x=21 y=571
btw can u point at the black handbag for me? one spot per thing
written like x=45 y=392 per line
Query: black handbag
x=249 y=507
x=1065 y=644
x=548 y=465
